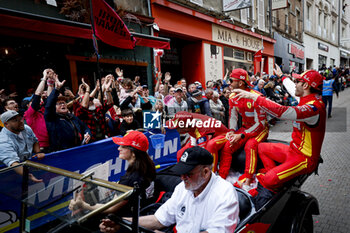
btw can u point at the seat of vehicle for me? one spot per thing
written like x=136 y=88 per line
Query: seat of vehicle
x=245 y=204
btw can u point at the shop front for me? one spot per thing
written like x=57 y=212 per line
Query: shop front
x=320 y=54
x=203 y=47
x=344 y=57
x=239 y=49
x=288 y=54
x=34 y=42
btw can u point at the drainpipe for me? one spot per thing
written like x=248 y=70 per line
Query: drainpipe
x=270 y=18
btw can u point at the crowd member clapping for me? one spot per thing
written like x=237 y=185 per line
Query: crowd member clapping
x=133 y=101
x=65 y=129
x=91 y=112
x=34 y=116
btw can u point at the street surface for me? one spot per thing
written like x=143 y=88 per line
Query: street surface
x=332 y=186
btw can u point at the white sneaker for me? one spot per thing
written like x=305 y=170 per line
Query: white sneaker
x=246 y=187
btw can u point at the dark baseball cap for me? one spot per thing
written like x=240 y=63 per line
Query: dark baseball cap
x=196 y=92
x=178 y=89
x=191 y=158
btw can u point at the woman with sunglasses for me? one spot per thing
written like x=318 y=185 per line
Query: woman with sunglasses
x=132 y=148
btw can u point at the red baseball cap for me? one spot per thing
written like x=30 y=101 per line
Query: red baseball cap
x=134 y=139
x=313 y=78
x=241 y=74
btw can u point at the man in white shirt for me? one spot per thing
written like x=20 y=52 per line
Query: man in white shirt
x=203 y=202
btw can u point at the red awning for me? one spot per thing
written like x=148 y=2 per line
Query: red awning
x=151 y=41
x=53 y=28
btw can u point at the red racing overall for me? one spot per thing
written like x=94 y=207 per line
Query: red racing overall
x=255 y=130
x=200 y=134
x=303 y=153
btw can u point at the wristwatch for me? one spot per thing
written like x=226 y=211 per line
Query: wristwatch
x=242 y=136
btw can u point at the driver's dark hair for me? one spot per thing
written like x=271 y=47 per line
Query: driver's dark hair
x=143 y=164
x=316 y=91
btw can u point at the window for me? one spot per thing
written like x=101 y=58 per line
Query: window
x=322 y=60
x=261 y=15
x=319 y=17
x=239 y=54
x=333 y=30
x=308 y=9
x=297 y=23
x=325 y=30
x=228 y=52
x=244 y=15
x=249 y=56
x=286 y=22
x=319 y=29
x=308 y=17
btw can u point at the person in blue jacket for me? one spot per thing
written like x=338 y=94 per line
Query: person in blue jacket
x=65 y=129
x=329 y=86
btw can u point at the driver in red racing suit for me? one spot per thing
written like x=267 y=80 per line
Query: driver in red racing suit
x=302 y=154
x=254 y=130
x=201 y=129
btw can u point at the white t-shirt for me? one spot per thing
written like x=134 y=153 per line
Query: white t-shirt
x=214 y=210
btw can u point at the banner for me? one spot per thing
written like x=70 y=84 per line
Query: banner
x=109 y=27
x=258 y=56
x=232 y=5
x=79 y=159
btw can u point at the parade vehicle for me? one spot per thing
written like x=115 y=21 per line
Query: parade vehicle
x=43 y=207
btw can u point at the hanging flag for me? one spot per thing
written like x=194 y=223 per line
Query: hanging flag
x=109 y=27
x=258 y=56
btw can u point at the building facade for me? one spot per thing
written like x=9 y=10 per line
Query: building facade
x=288 y=28
x=321 y=33
x=205 y=42
x=57 y=34
x=344 y=42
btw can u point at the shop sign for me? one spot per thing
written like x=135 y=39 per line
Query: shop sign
x=322 y=47
x=236 y=39
x=344 y=54
x=294 y=50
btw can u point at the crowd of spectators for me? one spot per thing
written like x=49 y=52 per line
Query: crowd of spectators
x=61 y=119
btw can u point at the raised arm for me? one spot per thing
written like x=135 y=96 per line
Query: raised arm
x=85 y=101
x=158 y=78
x=167 y=78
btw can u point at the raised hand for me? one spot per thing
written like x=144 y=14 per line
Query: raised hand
x=167 y=77
x=87 y=87
x=58 y=84
x=107 y=83
x=48 y=73
x=119 y=72
x=277 y=71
